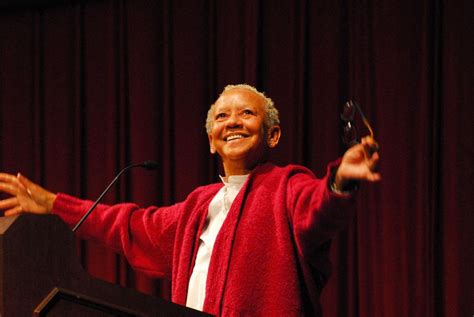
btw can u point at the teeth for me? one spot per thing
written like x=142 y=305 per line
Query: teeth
x=234 y=137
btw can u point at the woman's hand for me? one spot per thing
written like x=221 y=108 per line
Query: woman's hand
x=26 y=196
x=359 y=163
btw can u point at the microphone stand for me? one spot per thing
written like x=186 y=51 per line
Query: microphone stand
x=149 y=165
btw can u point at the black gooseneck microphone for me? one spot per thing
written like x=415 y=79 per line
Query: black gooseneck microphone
x=148 y=165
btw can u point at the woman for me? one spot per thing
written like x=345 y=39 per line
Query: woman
x=254 y=244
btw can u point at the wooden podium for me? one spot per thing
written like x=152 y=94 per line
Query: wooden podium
x=40 y=275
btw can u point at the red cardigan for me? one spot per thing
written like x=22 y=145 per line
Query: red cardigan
x=270 y=257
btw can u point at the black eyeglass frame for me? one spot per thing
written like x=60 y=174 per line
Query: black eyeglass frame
x=349 y=127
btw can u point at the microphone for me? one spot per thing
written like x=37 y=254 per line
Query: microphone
x=148 y=165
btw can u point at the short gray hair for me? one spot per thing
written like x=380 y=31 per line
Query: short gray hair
x=271 y=113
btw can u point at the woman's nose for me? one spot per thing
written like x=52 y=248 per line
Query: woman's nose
x=234 y=120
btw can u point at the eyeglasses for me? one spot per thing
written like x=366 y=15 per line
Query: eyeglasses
x=349 y=131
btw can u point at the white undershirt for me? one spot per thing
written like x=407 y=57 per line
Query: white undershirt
x=218 y=209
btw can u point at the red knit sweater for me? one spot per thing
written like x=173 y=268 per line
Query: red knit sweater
x=270 y=257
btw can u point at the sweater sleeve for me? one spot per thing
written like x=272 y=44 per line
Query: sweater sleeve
x=317 y=213
x=144 y=236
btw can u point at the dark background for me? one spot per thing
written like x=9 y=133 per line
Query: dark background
x=88 y=87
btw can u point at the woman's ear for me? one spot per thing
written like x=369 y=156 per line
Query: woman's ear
x=273 y=136
x=212 y=149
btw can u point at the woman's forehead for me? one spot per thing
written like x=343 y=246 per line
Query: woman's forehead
x=239 y=97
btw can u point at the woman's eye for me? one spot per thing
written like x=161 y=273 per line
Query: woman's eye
x=220 y=115
x=248 y=112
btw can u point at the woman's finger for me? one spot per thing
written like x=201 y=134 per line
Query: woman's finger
x=14 y=211
x=9 y=188
x=8 y=203
x=7 y=178
x=24 y=181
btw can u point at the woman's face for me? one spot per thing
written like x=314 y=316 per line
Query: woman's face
x=238 y=133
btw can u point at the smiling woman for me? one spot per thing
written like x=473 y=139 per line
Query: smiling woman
x=254 y=244
x=90 y=86
x=238 y=132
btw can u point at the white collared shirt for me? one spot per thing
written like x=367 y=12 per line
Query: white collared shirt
x=218 y=210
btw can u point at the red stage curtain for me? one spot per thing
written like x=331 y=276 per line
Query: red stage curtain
x=88 y=88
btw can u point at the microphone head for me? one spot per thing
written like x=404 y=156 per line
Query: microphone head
x=149 y=165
